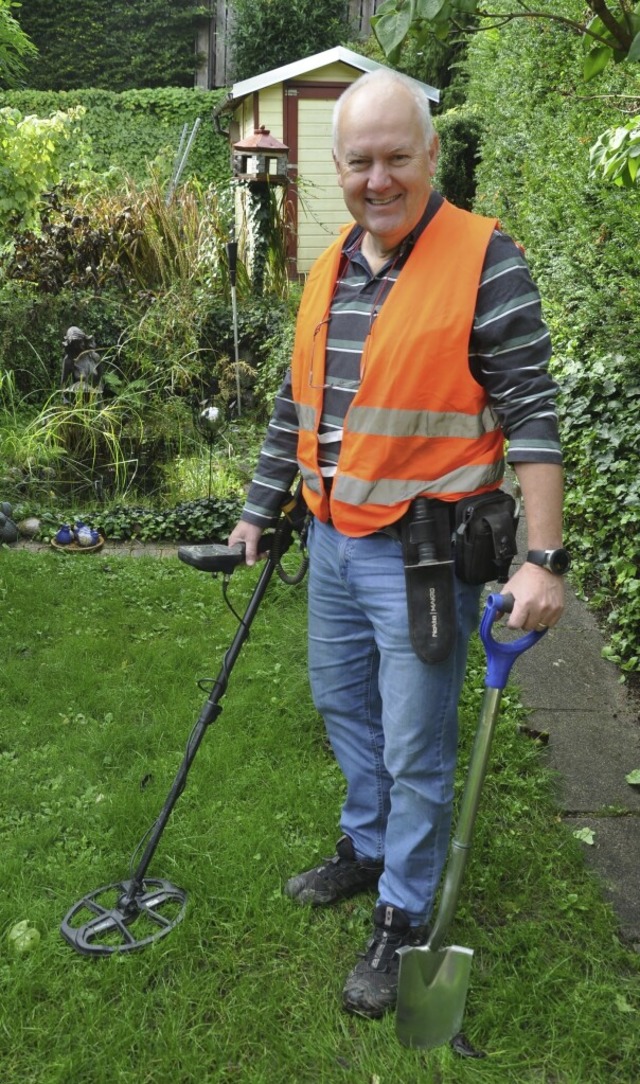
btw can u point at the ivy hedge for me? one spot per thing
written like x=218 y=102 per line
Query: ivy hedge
x=270 y=33
x=118 y=45
x=581 y=239
x=209 y=519
x=132 y=129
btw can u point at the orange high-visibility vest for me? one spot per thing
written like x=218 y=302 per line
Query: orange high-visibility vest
x=419 y=424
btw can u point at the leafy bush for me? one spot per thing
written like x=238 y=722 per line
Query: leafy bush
x=15 y=46
x=581 y=239
x=120 y=45
x=131 y=130
x=207 y=520
x=266 y=34
x=600 y=410
x=32 y=162
x=460 y=131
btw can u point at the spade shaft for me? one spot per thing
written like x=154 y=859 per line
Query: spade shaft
x=433 y=981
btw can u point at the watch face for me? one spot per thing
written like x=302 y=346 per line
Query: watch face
x=559 y=562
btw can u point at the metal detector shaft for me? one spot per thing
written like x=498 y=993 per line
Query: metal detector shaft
x=208 y=715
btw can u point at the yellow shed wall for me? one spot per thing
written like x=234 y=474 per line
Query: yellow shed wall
x=321 y=210
x=244 y=117
x=332 y=73
x=271 y=110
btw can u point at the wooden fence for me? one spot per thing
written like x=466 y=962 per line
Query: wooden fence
x=212 y=39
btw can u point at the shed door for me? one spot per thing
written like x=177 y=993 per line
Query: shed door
x=316 y=206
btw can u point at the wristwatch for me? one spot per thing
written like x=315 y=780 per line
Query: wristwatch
x=556 y=561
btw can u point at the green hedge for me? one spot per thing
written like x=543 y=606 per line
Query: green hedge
x=117 y=45
x=581 y=238
x=460 y=131
x=131 y=129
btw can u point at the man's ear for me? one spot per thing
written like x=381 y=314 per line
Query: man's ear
x=337 y=165
x=434 y=152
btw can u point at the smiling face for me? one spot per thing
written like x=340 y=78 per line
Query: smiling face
x=384 y=162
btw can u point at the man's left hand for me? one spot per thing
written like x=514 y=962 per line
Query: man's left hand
x=539 y=598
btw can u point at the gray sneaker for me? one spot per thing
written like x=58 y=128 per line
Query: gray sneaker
x=336 y=879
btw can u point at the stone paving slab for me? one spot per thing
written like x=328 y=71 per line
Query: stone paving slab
x=614 y=857
x=592 y=755
x=593 y=722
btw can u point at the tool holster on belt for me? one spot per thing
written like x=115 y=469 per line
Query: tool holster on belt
x=428 y=568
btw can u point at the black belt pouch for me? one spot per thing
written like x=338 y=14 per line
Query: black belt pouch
x=485 y=537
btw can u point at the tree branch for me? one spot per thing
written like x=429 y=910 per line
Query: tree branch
x=596 y=6
x=611 y=23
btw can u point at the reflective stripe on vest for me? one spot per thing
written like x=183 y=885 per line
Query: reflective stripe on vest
x=419 y=423
x=391 y=491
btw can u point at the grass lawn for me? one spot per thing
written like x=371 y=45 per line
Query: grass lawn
x=100 y=657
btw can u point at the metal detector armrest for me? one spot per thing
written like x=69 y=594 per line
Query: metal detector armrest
x=213 y=558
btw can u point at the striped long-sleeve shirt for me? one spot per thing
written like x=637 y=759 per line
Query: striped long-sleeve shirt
x=509 y=351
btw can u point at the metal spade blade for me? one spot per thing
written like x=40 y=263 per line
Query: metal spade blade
x=432 y=993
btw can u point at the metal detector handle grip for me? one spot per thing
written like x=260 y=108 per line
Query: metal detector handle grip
x=502 y=655
x=232 y=257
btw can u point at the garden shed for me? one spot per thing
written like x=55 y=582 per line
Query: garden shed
x=294 y=104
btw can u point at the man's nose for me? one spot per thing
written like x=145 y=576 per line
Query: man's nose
x=379 y=177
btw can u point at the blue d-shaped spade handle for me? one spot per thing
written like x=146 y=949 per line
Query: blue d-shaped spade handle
x=502 y=655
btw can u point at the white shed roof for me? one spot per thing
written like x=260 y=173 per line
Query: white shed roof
x=299 y=68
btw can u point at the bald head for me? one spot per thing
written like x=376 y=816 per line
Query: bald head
x=373 y=92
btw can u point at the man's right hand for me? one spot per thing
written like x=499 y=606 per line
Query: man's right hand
x=250 y=535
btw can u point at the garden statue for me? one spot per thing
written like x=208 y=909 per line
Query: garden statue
x=81 y=362
x=8 y=529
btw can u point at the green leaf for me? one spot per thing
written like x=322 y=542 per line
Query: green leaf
x=391 y=26
x=633 y=777
x=586 y=835
x=617 y=138
x=428 y=9
x=596 y=61
x=634 y=51
x=596 y=26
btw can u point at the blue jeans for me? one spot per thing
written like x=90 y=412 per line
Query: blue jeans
x=392 y=719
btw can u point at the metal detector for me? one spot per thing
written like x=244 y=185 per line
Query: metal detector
x=133 y=913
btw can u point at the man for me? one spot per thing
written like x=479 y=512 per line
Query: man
x=417 y=319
